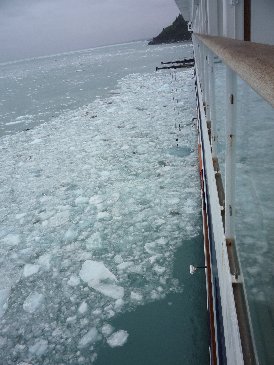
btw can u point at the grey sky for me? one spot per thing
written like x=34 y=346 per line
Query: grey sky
x=39 y=27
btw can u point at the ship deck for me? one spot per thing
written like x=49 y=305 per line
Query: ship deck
x=250 y=163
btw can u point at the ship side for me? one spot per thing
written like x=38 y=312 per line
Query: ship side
x=234 y=84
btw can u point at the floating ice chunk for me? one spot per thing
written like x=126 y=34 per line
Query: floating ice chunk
x=118 y=259
x=154 y=258
x=103 y=215
x=3 y=341
x=59 y=218
x=71 y=235
x=136 y=269
x=97 y=312
x=33 y=302
x=95 y=274
x=90 y=337
x=162 y=241
x=95 y=271
x=173 y=200
x=124 y=265
x=44 y=261
x=118 y=338
x=71 y=319
x=96 y=199
x=94 y=240
x=110 y=313
x=12 y=239
x=192 y=269
x=112 y=291
x=81 y=200
x=150 y=247
x=39 y=348
x=85 y=256
x=119 y=304
x=73 y=280
x=107 y=330
x=83 y=308
x=159 y=222
x=125 y=147
x=4 y=297
x=93 y=358
x=154 y=295
x=136 y=296
x=57 y=332
x=30 y=269
x=159 y=269
x=20 y=215
x=19 y=348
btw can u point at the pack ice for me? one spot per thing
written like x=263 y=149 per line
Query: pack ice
x=92 y=211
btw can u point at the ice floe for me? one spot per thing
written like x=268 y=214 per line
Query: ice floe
x=118 y=338
x=93 y=210
x=83 y=308
x=39 y=348
x=94 y=272
x=4 y=296
x=30 y=269
x=90 y=337
x=101 y=279
x=33 y=302
x=107 y=329
x=11 y=239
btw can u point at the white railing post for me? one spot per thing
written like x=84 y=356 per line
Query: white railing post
x=207 y=102
x=202 y=56
x=230 y=164
x=212 y=104
x=200 y=52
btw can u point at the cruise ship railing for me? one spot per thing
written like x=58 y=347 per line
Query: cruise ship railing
x=235 y=82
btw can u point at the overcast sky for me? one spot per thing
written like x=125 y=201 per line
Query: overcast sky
x=40 y=27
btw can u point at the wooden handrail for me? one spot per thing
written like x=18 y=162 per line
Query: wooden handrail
x=253 y=62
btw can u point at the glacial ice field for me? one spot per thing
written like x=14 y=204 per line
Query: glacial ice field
x=34 y=91
x=94 y=205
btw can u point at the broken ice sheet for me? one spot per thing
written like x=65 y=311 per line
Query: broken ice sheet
x=89 y=243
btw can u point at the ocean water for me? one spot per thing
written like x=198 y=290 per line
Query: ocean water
x=100 y=210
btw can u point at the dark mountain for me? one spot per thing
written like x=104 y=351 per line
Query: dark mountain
x=176 y=32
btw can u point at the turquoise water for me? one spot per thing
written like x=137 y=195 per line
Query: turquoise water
x=100 y=214
x=172 y=330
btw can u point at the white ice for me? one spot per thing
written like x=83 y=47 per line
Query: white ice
x=44 y=261
x=118 y=338
x=33 y=302
x=136 y=296
x=93 y=210
x=101 y=279
x=39 y=348
x=74 y=280
x=107 y=330
x=30 y=269
x=94 y=272
x=4 y=296
x=90 y=337
x=83 y=308
x=11 y=239
x=110 y=290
